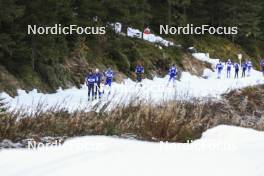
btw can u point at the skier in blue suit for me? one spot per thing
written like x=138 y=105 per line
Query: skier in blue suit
x=236 y=66
x=262 y=66
x=249 y=67
x=139 y=70
x=109 y=75
x=244 y=68
x=219 y=67
x=172 y=74
x=228 y=68
x=90 y=80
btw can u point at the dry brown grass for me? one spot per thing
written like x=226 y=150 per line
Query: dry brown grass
x=171 y=121
x=168 y=121
x=247 y=101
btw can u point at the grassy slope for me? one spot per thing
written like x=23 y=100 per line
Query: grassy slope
x=119 y=52
x=222 y=48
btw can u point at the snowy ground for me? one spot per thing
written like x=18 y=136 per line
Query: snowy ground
x=155 y=90
x=223 y=150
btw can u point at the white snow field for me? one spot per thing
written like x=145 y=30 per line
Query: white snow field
x=156 y=90
x=223 y=150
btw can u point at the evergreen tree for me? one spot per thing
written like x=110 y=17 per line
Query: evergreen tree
x=177 y=11
x=245 y=15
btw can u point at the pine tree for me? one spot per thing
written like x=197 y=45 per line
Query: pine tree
x=261 y=24
x=177 y=11
x=245 y=15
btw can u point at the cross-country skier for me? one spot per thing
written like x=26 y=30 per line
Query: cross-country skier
x=249 y=67
x=172 y=74
x=99 y=76
x=109 y=75
x=236 y=66
x=262 y=66
x=244 y=68
x=228 y=68
x=139 y=70
x=90 y=81
x=219 y=67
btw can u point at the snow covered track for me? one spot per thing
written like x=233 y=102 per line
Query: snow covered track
x=223 y=150
x=156 y=90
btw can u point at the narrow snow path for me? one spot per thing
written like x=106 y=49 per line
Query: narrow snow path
x=156 y=90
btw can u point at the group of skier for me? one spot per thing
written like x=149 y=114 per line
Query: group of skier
x=245 y=66
x=93 y=81
x=94 y=78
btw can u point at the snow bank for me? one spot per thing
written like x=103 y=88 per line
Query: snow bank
x=152 y=91
x=134 y=33
x=223 y=150
x=204 y=57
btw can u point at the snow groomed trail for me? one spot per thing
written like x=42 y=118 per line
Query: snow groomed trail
x=223 y=150
x=156 y=90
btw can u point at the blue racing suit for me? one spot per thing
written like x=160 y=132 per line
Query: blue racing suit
x=139 y=72
x=90 y=81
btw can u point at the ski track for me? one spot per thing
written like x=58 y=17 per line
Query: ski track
x=153 y=91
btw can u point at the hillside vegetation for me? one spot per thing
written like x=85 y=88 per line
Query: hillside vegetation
x=47 y=62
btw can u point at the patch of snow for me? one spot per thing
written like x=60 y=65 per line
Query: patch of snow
x=134 y=33
x=204 y=57
x=223 y=150
x=154 y=91
x=207 y=73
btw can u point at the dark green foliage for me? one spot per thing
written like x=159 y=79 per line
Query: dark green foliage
x=39 y=60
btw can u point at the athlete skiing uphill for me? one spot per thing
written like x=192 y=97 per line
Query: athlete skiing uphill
x=139 y=70
x=219 y=67
x=90 y=82
x=244 y=68
x=172 y=74
x=249 y=67
x=109 y=75
x=262 y=65
x=228 y=68
x=236 y=66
